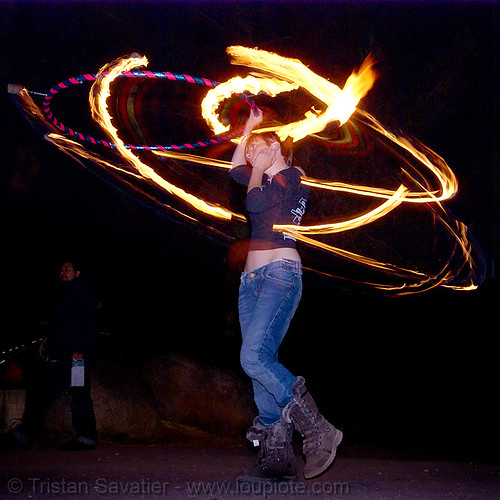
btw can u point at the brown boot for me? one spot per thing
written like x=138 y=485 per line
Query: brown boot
x=276 y=458
x=320 y=437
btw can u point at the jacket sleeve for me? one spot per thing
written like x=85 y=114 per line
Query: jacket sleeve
x=241 y=174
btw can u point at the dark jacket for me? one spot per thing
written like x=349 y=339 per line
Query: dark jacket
x=73 y=326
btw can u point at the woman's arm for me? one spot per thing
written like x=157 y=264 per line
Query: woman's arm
x=239 y=153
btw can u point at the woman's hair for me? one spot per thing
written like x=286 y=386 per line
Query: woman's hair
x=269 y=138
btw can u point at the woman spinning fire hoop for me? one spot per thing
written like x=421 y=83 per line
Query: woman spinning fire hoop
x=270 y=291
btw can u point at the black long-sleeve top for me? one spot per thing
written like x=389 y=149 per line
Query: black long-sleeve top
x=280 y=200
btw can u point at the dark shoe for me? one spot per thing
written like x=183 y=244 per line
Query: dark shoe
x=80 y=443
x=321 y=438
x=14 y=440
x=276 y=460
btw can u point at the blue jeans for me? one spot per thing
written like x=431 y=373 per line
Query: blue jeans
x=268 y=298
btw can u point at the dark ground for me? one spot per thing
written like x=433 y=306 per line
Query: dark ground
x=209 y=470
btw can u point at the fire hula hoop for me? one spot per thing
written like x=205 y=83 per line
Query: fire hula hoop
x=90 y=77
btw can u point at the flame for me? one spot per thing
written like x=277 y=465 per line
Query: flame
x=97 y=98
x=278 y=74
x=289 y=74
x=426 y=157
x=395 y=200
x=75 y=150
x=238 y=85
x=340 y=105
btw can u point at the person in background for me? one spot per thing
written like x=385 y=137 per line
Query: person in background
x=71 y=338
x=270 y=291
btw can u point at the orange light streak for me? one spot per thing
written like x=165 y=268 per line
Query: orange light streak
x=340 y=103
x=290 y=74
x=238 y=85
x=437 y=166
x=337 y=227
x=75 y=149
x=276 y=74
x=97 y=98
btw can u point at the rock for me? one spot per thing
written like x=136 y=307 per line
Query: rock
x=12 y=407
x=173 y=398
x=199 y=394
x=124 y=407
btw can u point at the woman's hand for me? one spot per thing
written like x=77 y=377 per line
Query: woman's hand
x=252 y=122
x=263 y=159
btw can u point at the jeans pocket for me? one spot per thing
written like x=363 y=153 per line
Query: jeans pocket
x=282 y=276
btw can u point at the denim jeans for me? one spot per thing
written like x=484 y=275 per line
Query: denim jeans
x=268 y=298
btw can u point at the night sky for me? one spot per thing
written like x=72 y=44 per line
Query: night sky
x=414 y=372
